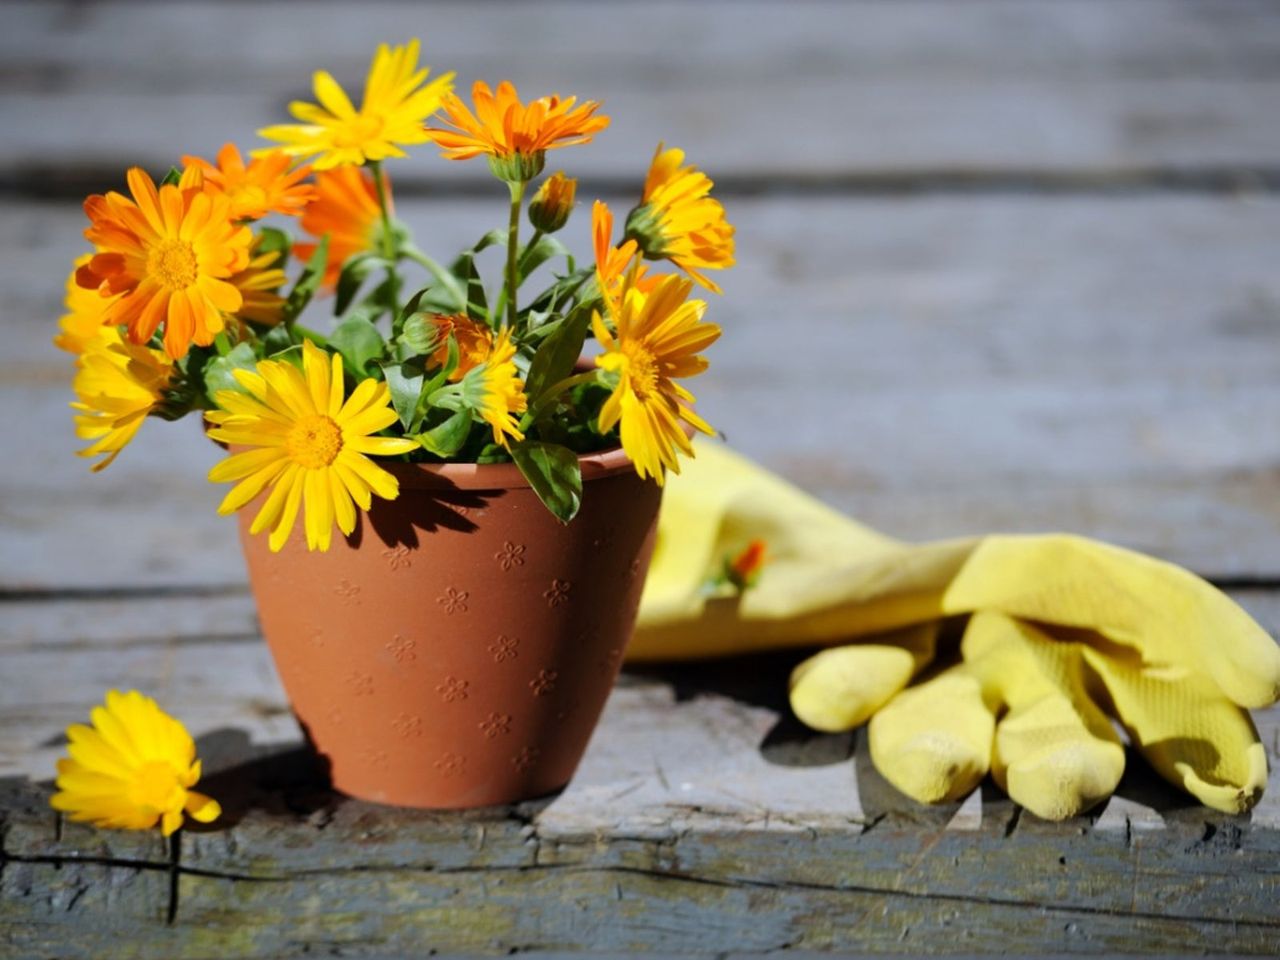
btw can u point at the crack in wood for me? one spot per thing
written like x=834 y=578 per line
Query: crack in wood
x=675 y=876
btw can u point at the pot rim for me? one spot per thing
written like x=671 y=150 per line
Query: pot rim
x=499 y=476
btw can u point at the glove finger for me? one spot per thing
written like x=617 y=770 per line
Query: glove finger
x=933 y=741
x=840 y=688
x=1056 y=753
x=1167 y=614
x=1189 y=732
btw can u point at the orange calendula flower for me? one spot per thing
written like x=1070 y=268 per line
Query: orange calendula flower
x=550 y=207
x=346 y=208
x=475 y=343
x=259 y=284
x=495 y=392
x=309 y=442
x=611 y=262
x=132 y=769
x=169 y=254
x=516 y=137
x=266 y=185
x=658 y=337
x=395 y=104
x=678 y=220
x=86 y=314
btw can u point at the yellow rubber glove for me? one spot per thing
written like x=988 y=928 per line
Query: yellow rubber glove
x=1170 y=655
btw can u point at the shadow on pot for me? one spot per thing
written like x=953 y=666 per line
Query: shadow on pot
x=434 y=511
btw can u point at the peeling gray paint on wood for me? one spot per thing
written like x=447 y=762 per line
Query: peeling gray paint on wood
x=699 y=805
x=1104 y=361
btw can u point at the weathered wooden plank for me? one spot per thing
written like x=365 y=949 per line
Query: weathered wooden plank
x=697 y=806
x=1204 y=886
x=1110 y=367
x=799 y=90
x=677 y=751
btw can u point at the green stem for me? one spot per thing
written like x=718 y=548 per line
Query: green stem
x=552 y=393
x=388 y=237
x=513 y=243
x=528 y=247
x=501 y=305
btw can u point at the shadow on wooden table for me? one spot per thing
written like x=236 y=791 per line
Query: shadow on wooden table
x=288 y=780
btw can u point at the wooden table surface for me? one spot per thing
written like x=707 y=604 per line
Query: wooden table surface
x=1014 y=263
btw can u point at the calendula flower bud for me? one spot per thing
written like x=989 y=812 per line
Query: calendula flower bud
x=644 y=226
x=742 y=571
x=517 y=167
x=419 y=334
x=550 y=207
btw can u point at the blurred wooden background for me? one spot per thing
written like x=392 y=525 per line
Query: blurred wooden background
x=1002 y=266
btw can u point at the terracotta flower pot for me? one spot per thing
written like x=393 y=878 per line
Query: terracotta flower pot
x=457 y=649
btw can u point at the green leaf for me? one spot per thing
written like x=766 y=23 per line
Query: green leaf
x=354 y=273
x=558 y=353
x=554 y=475
x=405 y=381
x=562 y=290
x=278 y=339
x=447 y=438
x=308 y=282
x=494 y=238
x=359 y=342
x=532 y=257
x=477 y=307
x=218 y=371
x=272 y=240
x=172 y=177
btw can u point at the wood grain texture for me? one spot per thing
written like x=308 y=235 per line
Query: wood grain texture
x=802 y=91
x=668 y=839
x=1109 y=367
x=1032 y=249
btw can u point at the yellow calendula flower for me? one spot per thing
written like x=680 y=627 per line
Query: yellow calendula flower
x=658 y=336
x=267 y=184
x=168 y=254
x=496 y=393
x=86 y=314
x=678 y=220
x=309 y=444
x=132 y=769
x=475 y=343
x=550 y=207
x=259 y=284
x=395 y=104
x=118 y=384
x=515 y=137
x=346 y=208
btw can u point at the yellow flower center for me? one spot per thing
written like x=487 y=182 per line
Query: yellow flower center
x=357 y=131
x=641 y=368
x=156 y=786
x=173 y=264
x=314 y=442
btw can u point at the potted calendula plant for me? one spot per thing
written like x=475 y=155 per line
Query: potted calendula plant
x=446 y=513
